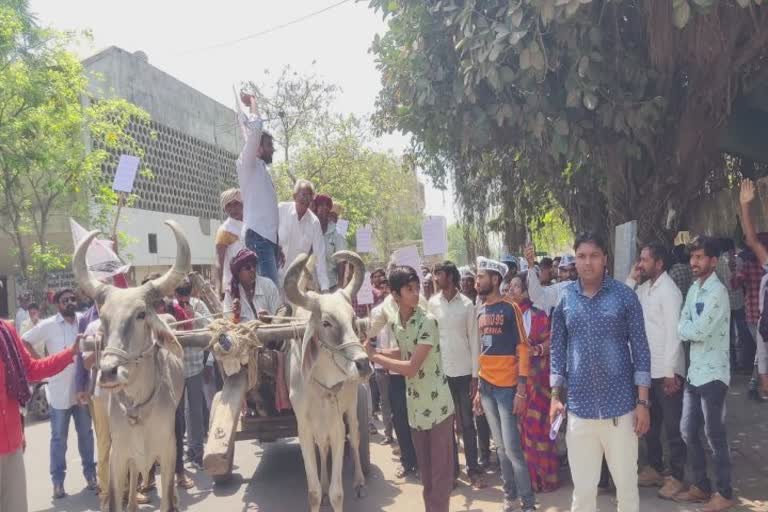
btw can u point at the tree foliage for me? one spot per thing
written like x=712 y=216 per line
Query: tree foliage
x=54 y=141
x=372 y=187
x=612 y=108
x=293 y=104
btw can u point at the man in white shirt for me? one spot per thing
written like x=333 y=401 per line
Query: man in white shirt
x=300 y=232
x=260 y=216
x=546 y=298
x=58 y=333
x=334 y=242
x=460 y=351
x=228 y=236
x=22 y=314
x=662 y=301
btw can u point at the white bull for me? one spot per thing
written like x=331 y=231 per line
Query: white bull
x=324 y=371
x=142 y=368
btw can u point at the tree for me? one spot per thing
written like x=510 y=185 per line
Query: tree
x=373 y=187
x=46 y=129
x=293 y=104
x=615 y=106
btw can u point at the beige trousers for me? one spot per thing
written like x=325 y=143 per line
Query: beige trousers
x=103 y=443
x=587 y=441
x=13 y=482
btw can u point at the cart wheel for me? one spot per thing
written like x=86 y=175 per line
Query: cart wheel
x=363 y=416
x=226 y=477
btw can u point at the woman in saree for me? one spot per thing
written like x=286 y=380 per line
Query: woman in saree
x=540 y=450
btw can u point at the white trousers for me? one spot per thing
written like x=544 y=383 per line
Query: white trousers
x=587 y=441
x=13 y=482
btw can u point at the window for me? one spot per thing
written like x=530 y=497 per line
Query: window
x=152 y=243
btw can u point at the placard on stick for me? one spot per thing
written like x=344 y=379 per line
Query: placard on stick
x=365 y=295
x=125 y=175
x=342 y=226
x=409 y=256
x=364 y=239
x=434 y=232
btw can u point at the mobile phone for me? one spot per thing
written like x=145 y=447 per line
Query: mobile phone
x=556 y=425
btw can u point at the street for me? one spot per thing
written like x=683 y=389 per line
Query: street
x=271 y=478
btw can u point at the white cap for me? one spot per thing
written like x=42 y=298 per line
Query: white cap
x=486 y=264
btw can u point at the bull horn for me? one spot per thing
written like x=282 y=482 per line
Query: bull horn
x=291 y=283
x=168 y=282
x=358 y=272
x=90 y=286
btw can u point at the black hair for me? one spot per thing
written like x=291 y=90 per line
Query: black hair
x=265 y=135
x=727 y=244
x=546 y=262
x=185 y=287
x=659 y=252
x=61 y=292
x=401 y=276
x=523 y=277
x=33 y=305
x=449 y=268
x=590 y=237
x=680 y=254
x=378 y=271
x=710 y=246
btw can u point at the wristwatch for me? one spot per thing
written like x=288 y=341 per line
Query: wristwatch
x=644 y=403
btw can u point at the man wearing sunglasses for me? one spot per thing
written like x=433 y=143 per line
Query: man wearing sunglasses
x=58 y=333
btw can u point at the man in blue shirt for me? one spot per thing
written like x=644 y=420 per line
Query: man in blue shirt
x=600 y=353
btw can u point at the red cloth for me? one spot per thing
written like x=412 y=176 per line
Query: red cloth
x=749 y=277
x=180 y=315
x=11 y=433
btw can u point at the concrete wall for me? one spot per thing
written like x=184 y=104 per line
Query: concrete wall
x=115 y=72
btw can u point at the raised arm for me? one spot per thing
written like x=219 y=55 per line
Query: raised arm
x=253 y=126
x=746 y=196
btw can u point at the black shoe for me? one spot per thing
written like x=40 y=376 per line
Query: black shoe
x=58 y=491
x=754 y=395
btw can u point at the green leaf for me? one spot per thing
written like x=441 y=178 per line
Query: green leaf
x=682 y=14
x=561 y=127
x=516 y=18
x=573 y=99
x=516 y=36
x=583 y=66
x=548 y=11
x=571 y=8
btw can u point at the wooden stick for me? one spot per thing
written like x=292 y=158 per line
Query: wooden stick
x=120 y=202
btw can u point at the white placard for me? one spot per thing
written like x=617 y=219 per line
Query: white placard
x=624 y=250
x=342 y=226
x=364 y=239
x=409 y=256
x=101 y=258
x=365 y=295
x=523 y=264
x=434 y=232
x=125 y=175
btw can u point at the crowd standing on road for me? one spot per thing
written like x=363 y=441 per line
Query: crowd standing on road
x=504 y=350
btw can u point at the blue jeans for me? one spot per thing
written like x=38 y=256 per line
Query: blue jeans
x=497 y=405
x=59 y=435
x=704 y=407
x=266 y=250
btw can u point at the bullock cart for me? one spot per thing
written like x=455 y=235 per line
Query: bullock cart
x=230 y=421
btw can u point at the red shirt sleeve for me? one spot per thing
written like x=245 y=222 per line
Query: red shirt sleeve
x=39 y=369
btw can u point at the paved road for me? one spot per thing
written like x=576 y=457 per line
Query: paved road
x=271 y=478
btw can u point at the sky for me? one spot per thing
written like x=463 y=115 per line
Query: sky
x=197 y=42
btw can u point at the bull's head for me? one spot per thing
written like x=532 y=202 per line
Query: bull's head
x=129 y=322
x=332 y=324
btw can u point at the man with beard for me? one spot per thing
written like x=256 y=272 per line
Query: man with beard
x=546 y=298
x=503 y=372
x=58 y=333
x=600 y=354
x=300 y=232
x=661 y=301
x=334 y=242
x=260 y=214
x=705 y=323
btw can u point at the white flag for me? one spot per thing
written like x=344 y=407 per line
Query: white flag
x=101 y=258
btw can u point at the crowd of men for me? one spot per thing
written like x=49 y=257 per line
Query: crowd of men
x=493 y=353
